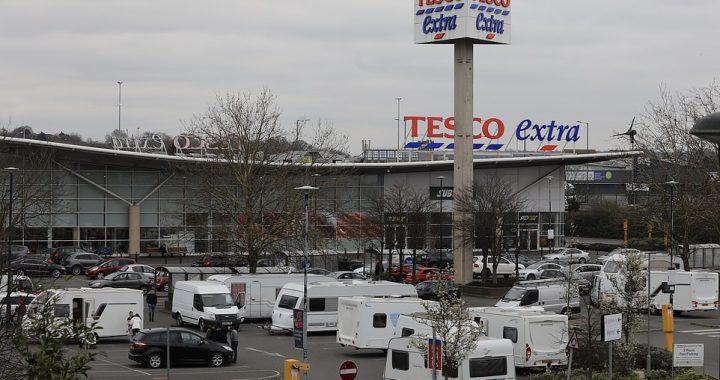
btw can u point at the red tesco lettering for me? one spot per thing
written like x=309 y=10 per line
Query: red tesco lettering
x=491 y=128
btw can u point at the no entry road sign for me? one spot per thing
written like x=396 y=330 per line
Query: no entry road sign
x=348 y=370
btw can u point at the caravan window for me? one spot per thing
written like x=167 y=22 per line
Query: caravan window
x=510 y=333
x=317 y=304
x=482 y=367
x=407 y=332
x=400 y=360
x=61 y=310
x=380 y=320
x=100 y=310
x=287 y=302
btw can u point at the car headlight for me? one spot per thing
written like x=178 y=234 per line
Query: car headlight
x=227 y=348
x=211 y=316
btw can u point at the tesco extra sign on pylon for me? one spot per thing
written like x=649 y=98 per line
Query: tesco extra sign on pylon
x=490 y=133
x=443 y=21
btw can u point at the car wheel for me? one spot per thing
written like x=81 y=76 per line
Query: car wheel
x=55 y=273
x=202 y=325
x=100 y=275
x=531 y=277
x=566 y=311
x=76 y=270
x=155 y=361
x=582 y=260
x=217 y=359
x=178 y=320
x=144 y=289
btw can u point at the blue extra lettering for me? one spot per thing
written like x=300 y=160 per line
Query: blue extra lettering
x=541 y=132
x=489 y=24
x=439 y=24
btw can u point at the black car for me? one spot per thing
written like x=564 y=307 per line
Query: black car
x=149 y=347
x=347 y=264
x=438 y=259
x=36 y=266
x=130 y=280
x=428 y=290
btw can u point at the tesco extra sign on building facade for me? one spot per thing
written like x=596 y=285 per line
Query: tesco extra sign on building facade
x=442 y=21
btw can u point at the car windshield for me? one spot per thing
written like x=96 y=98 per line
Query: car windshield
x=534 y=265
x=514 y=294
x=112 y=275
x=217 y=300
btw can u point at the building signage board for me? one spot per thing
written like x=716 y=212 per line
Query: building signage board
x=689 y=355
x=611 y=327
x=445 y=21
x=437 y=193
x=298 y=327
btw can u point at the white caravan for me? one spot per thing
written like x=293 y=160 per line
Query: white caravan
x=551 y=294
x=694 y=291
x=323 y=301
x=492 y=359
x=107 y=307
x=258 y=292
x=369 y=322
x=204 y=303
x=539 y=337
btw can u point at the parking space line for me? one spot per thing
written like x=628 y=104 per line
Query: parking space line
x=265 y=352
x=122 y=366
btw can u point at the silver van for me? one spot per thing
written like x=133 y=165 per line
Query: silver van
x=552 y=295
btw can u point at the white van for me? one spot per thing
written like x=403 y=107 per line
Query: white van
x=551 y=294
x=694 y=291
x=492 y=359
x=323 y=301
x=539 y=338
x=107 y=307
x=257 y=292
x=205 y=303
x=369 y=322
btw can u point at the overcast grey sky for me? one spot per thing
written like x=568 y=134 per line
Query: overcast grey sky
x=344 y=61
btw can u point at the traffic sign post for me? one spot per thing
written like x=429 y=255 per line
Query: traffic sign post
x=571 y=346
x=348 y=370
x=611 y=330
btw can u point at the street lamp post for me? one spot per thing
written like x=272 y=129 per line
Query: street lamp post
x=397 y=154
x=8 y=311
x=441 y=178
x=648 y=360
x=550 y=178
x=587 y=150
x=306 y=190
x=119 y=101
x=672 y=224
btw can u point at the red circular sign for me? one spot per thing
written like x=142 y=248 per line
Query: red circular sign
x=348 y=370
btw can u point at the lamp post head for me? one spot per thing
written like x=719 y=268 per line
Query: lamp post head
x=10 y=168
x=306 y=188
x=672 y=183
x=708 y=128
x=549 y=178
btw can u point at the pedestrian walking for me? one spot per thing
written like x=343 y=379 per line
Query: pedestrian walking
x=163 y=250
x=233 y=338
x=129 y=323
x=136 y=324
x=151 y=300
x=210 y=334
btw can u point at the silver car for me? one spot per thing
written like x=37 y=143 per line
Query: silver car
x=568 y=255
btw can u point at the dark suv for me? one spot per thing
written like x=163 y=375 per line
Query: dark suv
x=60 y=253
x=438 y=259
x=149 y=347
x=77 y=263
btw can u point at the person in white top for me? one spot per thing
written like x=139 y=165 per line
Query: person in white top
x=136 y=323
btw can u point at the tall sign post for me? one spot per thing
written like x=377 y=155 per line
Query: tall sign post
x=462 y=23
x=611 y=330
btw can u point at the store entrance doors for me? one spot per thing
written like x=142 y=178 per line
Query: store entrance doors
x=528 y=240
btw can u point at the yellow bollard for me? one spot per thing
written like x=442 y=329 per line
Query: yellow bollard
x=668 y=325
x=292 y=369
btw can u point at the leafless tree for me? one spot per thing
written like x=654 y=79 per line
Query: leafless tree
x=248 y=175
x=491 y=202
x=672 y=154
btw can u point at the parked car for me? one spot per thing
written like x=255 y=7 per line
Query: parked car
x=77 y=263
x=347 y=264
x=505 y=267
x=421 y=274
x=149 y=347
x=16 y=251
x=437 y=259
x=319 y=271
x=145 y=270
x=568 y=255
x=162 y=281
x=36 y=266
x=106 y=267
x=129 y=280
x=582 y=284
x=623 y=251
x=396 y=274
x=586 y=271
x=428 y=290
x=221 y=260
x=347 y=276
x=532 y=271
x=522 y=259
x=60 y=253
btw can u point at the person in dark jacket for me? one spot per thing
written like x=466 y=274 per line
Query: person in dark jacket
x=151 y=300
x=233 y=338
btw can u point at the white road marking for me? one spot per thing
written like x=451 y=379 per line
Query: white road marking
x=265 y=352
x=697 y=331
x=122 y=366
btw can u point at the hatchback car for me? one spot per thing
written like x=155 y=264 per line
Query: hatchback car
x=77 y=263
x=60 y=253
x=532 y=271
x=568 y=255
x=145 y=270
x=123 y=280
x=36 y=266
x=347 y=276
x=186 y=347
x=107 y=267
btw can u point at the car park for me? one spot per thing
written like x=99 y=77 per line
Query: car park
x=106 y=267
x=149 y=347
x=532 y=271
x=505 y=267
x=145 y=270
x=568 y=255
x=77 y=263
x=36 y=267
x=128 y=280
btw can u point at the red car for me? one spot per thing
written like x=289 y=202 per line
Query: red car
x=162 y=281
x=395 y=271
x=107 y=267
x=421 y=274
